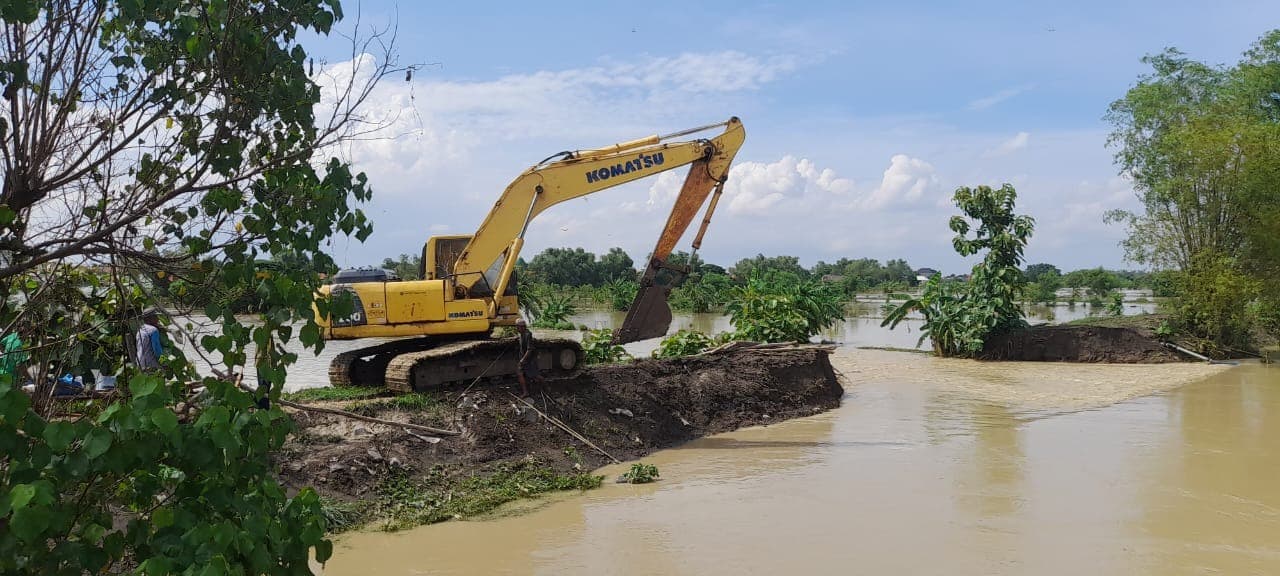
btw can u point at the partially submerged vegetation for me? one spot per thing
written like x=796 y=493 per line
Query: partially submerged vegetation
x=959 y=319
x=640 y=473
x=401 y=501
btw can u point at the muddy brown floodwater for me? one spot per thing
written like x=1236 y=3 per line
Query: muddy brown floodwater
x=929 y=467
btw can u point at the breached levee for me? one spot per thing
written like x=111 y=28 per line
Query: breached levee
x=1068 y=343
x=626 y=410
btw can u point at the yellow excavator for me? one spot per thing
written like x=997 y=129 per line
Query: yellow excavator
x=439 y=329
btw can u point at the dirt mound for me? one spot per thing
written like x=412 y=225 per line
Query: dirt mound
x=1078 y=344
x=628 y=410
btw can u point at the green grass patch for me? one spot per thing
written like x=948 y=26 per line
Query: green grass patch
x=425 y=403
x=340 y=516
x=333 y=393
x=404 y=502
x=1147 y=322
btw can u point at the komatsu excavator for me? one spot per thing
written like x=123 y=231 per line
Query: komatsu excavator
x=440 y=327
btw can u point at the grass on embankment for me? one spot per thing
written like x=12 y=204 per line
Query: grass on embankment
x=1146 y=323
x=333 y=394
x=400 y=502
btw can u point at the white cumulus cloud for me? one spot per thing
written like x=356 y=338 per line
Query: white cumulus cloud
x=758 y=187
x=905 y=181
x=1018 y=142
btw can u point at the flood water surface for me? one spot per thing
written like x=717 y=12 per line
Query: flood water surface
x=929 y=467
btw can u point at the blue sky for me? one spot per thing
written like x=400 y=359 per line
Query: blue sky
x=861 y=118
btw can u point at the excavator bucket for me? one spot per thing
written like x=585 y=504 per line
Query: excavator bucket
x=649 y=315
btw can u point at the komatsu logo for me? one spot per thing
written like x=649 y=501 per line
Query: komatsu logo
x=467 y=314
x=641 y=162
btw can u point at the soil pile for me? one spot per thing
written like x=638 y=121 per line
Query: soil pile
x=628 y=410
x=1073 y=343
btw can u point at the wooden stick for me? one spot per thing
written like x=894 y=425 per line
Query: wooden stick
x=565 y=427
x=355 y=416
x=351 y=415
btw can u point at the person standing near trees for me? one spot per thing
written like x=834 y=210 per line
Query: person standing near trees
x=147 y=345
x=528 y=369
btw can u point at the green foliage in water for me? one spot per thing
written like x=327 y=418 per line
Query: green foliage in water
x=402 y=502
x=1045 y=288
x=782 y=307
x=639 y=473
x=598 y=348
x=683 y=343
x=621 y=293
x=959 y=318
x=1116 y=306
x=701 y=293
x=554 y=311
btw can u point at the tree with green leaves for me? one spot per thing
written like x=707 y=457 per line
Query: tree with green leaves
x=960 y=318
x=616 y=265
x=1034 y=271
x=763 y=265
x=565 y=267
x=187 y=141
x=1044 y=289
x=406 y=267
x=1202 y=145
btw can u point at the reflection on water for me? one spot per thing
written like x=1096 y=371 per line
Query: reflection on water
x=924 y=469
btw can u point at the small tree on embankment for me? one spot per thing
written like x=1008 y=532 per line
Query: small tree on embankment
x=148 y=139
x=960 y=317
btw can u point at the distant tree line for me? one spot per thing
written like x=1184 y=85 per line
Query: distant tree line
x=609 y=278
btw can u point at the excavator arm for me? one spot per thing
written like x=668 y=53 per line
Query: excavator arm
x=486 y=263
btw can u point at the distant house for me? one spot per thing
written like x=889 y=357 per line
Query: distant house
x=833 y=278
x=923 y=274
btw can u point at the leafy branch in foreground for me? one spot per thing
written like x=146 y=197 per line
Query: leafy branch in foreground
x=185 y=141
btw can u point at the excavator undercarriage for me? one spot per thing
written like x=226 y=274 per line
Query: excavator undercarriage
x=425 y=364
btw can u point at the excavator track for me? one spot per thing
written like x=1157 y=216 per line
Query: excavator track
x=426 y=364
x=367 y=366
x=460 y=363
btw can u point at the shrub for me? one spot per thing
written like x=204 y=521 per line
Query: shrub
x=639 y=474
x=682 y=343
x=556 y=308
x=1116 y=307
x=780 y=307
x=599 y=348
x=1215 y=301
x=621 y=293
